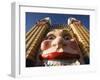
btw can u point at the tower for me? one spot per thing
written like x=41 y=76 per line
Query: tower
x=34 y=38
x=81 y=34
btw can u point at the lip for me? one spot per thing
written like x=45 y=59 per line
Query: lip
x=59 y=55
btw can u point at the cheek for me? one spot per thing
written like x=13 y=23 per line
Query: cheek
x=45 y=44
x=73 y=44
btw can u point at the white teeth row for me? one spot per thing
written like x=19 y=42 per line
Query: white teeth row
x=60 y=63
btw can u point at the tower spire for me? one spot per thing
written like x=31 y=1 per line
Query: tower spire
x=71 y=19
x=46 y=19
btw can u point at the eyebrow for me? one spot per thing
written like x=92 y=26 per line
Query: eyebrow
x=50 y=33
x=63 y=33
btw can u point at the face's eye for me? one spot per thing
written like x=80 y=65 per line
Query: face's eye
x=51 y=37
x=66 y=37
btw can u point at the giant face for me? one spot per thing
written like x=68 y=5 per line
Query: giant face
x=60 y=47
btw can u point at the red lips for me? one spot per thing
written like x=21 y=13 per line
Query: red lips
x=59 y=55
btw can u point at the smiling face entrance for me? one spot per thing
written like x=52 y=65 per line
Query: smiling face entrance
x=59 y=46
x=48 y=43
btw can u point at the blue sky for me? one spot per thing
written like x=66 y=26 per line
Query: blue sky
x=32 y=18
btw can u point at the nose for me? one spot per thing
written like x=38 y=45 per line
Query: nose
x=58 y=42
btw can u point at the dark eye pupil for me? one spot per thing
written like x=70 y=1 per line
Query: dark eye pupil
x=66 y=38
x=51 y=37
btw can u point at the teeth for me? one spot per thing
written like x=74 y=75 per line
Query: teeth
x=53 y=63
x=77 y=63
x=61 y=62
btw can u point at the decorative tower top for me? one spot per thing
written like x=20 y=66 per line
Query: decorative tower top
x=71 y=19
x=46 y=19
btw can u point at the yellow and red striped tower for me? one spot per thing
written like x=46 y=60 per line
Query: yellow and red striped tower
x=81 y=34
x=34 y=37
